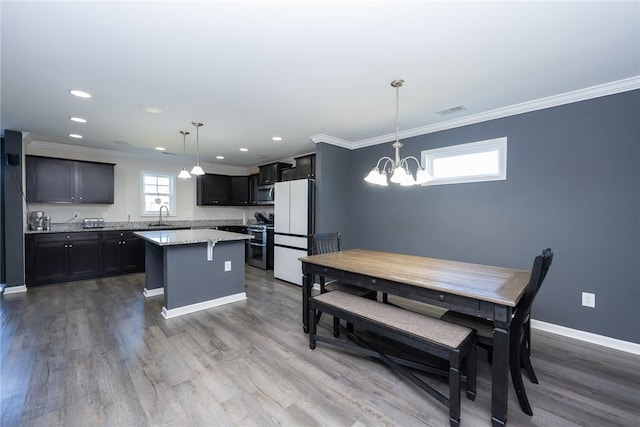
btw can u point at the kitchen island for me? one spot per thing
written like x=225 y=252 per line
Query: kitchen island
x=194 y=269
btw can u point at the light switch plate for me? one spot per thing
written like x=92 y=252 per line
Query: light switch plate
x=589 y=299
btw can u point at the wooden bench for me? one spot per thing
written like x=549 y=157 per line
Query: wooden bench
x=453 y=343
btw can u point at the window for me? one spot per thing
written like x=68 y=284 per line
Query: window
x=472 y=162
x=156 y=189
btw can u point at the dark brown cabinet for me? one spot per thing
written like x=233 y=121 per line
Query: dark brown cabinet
x=253 y=189
x=271 y=173
x=122 y=253
x=239 y=190
x=53 y=180
x=289 y=174
x=306 y=166
x=61 y=257
x=213 y=190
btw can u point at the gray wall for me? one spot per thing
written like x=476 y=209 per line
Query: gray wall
x=333 y=189
x=572 y=185
x=12 y=237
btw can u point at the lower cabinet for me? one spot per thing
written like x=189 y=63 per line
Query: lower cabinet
x=61 y=257
x=122 y=253
x=65 y=257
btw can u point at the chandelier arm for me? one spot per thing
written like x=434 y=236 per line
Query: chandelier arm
x=388 y=159
x=404 y=161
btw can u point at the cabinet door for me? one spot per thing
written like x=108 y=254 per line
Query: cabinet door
x=253 y=189
x=212 y=190
x=268 y=174
x=306 y=166
x=48 y=262
x=50 y=180
x=239 y=190
x=111 y=255
x=94 y=183
x=132 y=261
x=84 y=259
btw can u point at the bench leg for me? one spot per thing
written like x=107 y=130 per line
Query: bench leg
x=470 y=370
x=454 y=390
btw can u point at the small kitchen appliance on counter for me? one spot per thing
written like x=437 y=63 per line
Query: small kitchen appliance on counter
x=93 y=223
x=36 y=221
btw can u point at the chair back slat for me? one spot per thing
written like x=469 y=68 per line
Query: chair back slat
x=326 y=242
x=539 y=271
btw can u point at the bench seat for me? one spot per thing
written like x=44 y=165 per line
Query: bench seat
x=447 y=341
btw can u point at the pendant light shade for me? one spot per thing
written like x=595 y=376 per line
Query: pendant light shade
x=197 y=169
x=398 y=167
x=184 y=173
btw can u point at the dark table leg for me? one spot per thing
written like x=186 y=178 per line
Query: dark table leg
x=500 y=366
x=307 y=282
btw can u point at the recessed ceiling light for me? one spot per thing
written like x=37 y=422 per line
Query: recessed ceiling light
x=150 y=109
x=77 y=119
x=277 y=138
x=160 y=148
x=220 y=157
x=244 y=149
x=79 y=93
x=75 y=135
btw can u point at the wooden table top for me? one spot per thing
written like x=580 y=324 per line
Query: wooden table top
x=504 y=286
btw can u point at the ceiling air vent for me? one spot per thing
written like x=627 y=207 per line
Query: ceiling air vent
x=451 y=110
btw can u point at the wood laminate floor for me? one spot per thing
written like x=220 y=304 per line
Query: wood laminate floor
x=97 y=353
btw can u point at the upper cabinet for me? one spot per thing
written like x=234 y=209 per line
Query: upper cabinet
x=239 y=190
x=213 y=190
x=306 y=166
x=52 y=180
x=271 y=173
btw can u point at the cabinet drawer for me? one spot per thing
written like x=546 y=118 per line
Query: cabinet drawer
x=65 y=237
x=117 y=234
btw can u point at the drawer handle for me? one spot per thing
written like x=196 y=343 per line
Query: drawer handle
x=442 y=297
x=373 y=281
x=68 y=237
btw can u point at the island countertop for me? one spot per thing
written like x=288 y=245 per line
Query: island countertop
x=188 y=237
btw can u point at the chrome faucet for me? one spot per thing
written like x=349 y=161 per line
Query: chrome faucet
x=160 y=218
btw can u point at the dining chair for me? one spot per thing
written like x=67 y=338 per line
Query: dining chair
x=323 y=243
x=520 y=337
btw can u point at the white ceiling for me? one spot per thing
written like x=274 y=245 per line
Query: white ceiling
x=295 y=69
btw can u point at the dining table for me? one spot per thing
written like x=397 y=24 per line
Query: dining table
x=485 y=291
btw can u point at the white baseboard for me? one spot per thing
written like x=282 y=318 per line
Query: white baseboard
x=15 y=289
x=613 y=343
x=187 y=309
x=152 y=292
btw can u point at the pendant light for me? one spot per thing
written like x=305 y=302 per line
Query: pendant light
x=184 y=173
x=197 y=170
x=399 y=168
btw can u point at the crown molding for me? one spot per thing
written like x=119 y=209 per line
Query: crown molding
x=611 y=88
x=332 y=140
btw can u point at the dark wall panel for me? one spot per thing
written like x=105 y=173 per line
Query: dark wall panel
x=12 y=219
x=573 y=184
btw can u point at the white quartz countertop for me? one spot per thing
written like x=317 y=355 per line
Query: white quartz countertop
x=188 y=237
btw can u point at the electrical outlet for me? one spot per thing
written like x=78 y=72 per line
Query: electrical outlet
x=589 y=299
x=227 y=266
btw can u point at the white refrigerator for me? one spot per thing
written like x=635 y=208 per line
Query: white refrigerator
x=293 y=227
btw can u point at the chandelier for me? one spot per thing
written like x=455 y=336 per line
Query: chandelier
x=398 y=168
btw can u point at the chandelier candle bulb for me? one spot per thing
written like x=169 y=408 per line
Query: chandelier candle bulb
x=398 y=167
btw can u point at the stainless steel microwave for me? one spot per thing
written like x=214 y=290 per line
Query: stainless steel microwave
x=266 y=195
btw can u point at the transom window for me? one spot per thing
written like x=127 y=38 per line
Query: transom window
x=157 y=189
x=472 y=162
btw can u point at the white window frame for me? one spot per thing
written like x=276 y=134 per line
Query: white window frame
x=172 y=193
x=478 y=147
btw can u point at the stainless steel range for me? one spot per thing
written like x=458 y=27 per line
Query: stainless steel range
x=260 y=248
